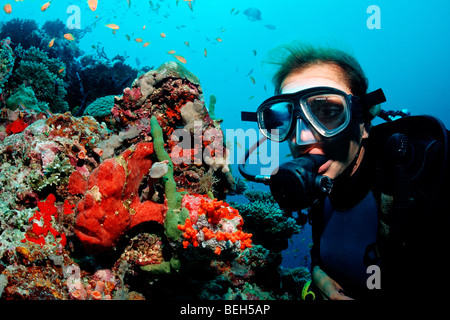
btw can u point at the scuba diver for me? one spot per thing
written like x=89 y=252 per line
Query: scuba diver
x=375 y=196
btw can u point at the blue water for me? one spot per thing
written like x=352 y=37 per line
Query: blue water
x=408 y=56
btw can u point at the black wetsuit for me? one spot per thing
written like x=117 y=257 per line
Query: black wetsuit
x=392 y=212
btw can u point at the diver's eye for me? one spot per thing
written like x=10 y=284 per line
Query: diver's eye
x=329 y=110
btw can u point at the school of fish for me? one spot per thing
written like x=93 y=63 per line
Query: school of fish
x=253 y=14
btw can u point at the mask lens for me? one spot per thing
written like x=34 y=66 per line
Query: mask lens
x=328 y=113
x=275 y=119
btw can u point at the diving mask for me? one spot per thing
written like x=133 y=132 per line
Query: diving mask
x=326 y=110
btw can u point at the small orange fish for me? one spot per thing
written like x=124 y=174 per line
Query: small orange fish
x=171 y=52
x=45 y=6
x=180 y=58
x=61 y=70
x=50 y=44
x=206 y=53
x=7 y=8
x=69 y=36
x=92 y=4
x=163 y=35
x=146 y=44
x=186 y=43
x=219 y=39
x=112 y=26
x=138 y=40
x=253 y=79
x=143 y=28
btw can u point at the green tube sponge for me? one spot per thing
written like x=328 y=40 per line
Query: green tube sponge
x=212 y=106
x=175 y=215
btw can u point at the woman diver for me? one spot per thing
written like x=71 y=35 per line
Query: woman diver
x=375 y=194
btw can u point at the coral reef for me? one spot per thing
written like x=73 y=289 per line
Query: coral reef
x=25 y=98
x=263 y=214
x=117 y=207
x=63 y=81
x=23 y=31
x=101 y=77
x=101 y=107
x=213 y=224
x=174 y=95
x=254 y=275
x=43 y=224
x=43 y=76
x=7 y=59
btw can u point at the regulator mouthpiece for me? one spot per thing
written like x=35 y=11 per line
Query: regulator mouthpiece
x=297 y=185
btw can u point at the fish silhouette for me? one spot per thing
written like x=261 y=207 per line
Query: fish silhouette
x=253 y=14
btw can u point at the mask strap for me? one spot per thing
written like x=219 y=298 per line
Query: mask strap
x=248 y=116
x=374 y=98
x=371 y=103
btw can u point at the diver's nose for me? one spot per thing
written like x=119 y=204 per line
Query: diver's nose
x=303 y=134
